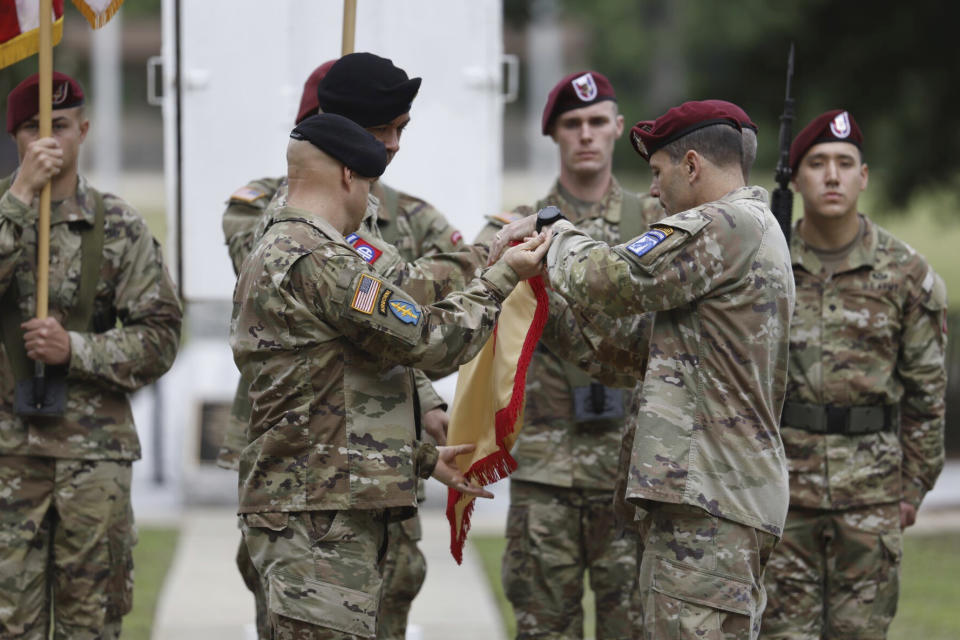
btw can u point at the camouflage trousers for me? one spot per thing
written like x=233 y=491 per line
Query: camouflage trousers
x=404 y=570
x=554 y=535
x=835 y=574
x=251 y=578
x=66 y=541
x=321 y=571
x=701 y=577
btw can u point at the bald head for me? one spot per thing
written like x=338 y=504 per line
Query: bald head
x=321 y=184
x=309 y=166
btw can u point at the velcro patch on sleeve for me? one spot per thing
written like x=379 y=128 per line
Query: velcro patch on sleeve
x=247 y=194
x=406 y=312
x=507 y=217
x=365 y=296
x=366 y=250
x=642 y=245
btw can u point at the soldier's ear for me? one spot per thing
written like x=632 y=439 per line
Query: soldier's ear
x=692 y=164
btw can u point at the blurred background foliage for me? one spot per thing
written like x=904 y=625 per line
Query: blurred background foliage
x=893 y=64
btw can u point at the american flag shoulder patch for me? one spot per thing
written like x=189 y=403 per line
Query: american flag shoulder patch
x=247 y=194
x=365 y=297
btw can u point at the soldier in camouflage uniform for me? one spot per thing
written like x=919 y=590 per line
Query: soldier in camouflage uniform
x=412 y=229
x=707 y=463
x=334 y=448
x=864 y=416
x=561 y=518
x=66 y=524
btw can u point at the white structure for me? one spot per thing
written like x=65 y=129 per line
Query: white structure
x=233 y=72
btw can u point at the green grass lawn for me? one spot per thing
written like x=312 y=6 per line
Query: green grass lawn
x=151 y=560
x=929 y=590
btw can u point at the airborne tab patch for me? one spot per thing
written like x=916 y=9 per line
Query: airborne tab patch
x=384 y=299
x=642 y=245
x=407 y=312
x=365 y=297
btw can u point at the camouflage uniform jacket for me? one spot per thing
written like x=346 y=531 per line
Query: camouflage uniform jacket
x=872 y=333
x=137 y=319
x=719 y=278
x=245 y=219
x=328 y=344
x=553 y=448
x=412 y=225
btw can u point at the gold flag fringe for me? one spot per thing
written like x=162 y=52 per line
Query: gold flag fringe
x=98 y=18
x=25 y=45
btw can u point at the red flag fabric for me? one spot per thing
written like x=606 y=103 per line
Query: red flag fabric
x=19 y=24
x=488 y=406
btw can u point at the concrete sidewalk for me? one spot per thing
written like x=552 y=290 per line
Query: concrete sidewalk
x=204 y=596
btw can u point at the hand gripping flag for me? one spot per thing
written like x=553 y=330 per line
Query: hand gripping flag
x=20 y=19
x=488 y=406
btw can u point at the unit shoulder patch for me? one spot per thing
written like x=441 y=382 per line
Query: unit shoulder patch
x=366 y=250
x=406 y=311
x=642 y=245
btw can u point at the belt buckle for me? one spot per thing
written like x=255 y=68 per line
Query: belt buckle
x=838 y=419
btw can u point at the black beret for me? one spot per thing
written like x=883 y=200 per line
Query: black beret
x=366 y=88
x=344 y=140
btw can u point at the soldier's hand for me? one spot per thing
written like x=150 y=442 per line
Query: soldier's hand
x=46 y=341
x=435 y=423
x=512 y=232
x=41 y=162
x=447 y=472
x=527 y=258
x=908 y=515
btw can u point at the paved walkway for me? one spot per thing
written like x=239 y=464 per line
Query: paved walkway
x=204 y=597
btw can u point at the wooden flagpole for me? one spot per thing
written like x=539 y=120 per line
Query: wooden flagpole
x=45 y=73
x=349 y=26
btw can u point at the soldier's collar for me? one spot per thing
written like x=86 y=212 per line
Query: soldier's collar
x=288 y=213
x=377 y=190
x=862 y=254
x=749 y=192
x=80 y=207
x=608 y=206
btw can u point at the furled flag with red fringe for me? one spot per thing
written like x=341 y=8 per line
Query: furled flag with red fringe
x=488 y=406
x=20 y=19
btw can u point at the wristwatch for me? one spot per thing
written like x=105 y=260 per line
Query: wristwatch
x=548 y=215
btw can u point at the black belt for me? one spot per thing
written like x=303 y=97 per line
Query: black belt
x=827 y=418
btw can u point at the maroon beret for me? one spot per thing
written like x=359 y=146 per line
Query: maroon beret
x=649 y=136
x=309 y=103
x=23 y=102
x=580 y=89
x=735 y=111
x=833 y=126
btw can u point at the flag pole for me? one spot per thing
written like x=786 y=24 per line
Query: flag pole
x=45 y=73
x=349 y=26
